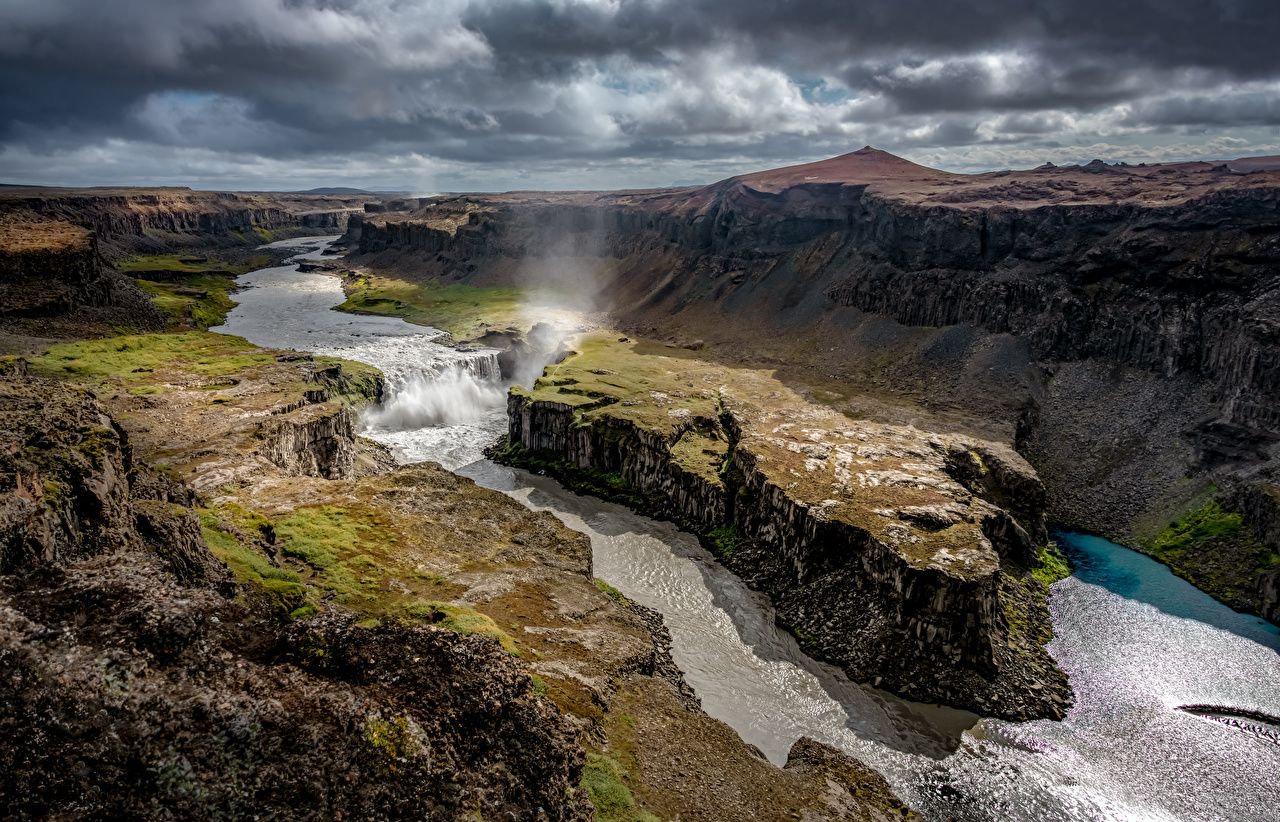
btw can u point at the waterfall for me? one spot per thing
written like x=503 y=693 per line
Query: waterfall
x=459 y=389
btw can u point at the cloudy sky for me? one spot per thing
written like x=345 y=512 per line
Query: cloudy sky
x=447 y=95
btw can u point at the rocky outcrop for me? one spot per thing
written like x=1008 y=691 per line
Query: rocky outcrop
x=47 y=267
x=138 y=685
x=846 y=778
x=134 y=220
x=883 y=548
x=312 y=441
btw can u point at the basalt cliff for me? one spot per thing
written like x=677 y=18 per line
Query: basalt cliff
x=70 y=258
x=131 y=220
x=1117 y=324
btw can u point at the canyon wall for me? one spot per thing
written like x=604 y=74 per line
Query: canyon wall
x=1120 y=325
x=1187 y=289
x=48 y=267
x=139 y=220
x=920 y=583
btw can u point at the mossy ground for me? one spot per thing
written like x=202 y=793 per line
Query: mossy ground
x=618 y=378
x=194 y=300
x=140 y=265
x=602 y=778
x=146 y=364
x=193 y=291
x=135 y=358
x=1211 y=548
x=464 y=311
x=1051 y=564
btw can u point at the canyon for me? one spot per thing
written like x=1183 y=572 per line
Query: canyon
x=1114 y=323
x=869 y=388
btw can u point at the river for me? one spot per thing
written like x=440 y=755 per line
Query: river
x=1136 y=641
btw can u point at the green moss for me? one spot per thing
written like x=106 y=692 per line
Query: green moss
x=194 y=300
x=1211 y=548
x=611 y=592
x=724 y=540
x=228 y=532
x=1051 y=564
x=540 y=686
x=602 y=778
x=1208 y=522
x=397 y=738
x=463 y=620
x=132 y=358
x=464 y=311
x=179 y=263
x=338 y=545
x=318 y=536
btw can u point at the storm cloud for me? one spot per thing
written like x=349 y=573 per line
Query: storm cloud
x=483 y=94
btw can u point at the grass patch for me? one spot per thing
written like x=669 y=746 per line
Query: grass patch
x=724 y=540
x=194 y=291
x=1211 y=548
x=131 y=358
x=611 y=592
x=1051 y=564
x=462 y=310
x=609 y=378
x=195 y=300
x=170 y=264
x=602 y=779
x=463 y=620
x=228 y=532
x=1210 y=521
x=343 y=548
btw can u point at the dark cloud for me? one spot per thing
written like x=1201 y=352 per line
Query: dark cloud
x=554 y=90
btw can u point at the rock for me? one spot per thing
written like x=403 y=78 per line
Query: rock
x=139 y=685
x=885 y=547
x=312 y=441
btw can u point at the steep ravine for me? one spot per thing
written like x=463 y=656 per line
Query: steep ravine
x=1003 y=315
x=1124 y=751
x=922 y=628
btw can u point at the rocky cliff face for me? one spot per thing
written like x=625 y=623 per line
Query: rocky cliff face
x=47 y=267
x=133 y=220
x=138 y=685
x=1186 y=289
x=316 y=441
x=901 y=555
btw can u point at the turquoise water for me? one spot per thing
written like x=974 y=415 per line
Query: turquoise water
x=1135 y=576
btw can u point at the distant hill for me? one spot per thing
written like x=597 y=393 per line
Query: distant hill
x=337 y=190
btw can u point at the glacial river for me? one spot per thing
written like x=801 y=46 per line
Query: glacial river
x=1136 y=641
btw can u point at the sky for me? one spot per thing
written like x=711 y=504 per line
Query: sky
x=476 y=95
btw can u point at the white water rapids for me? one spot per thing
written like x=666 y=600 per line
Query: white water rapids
x=1124 y=632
